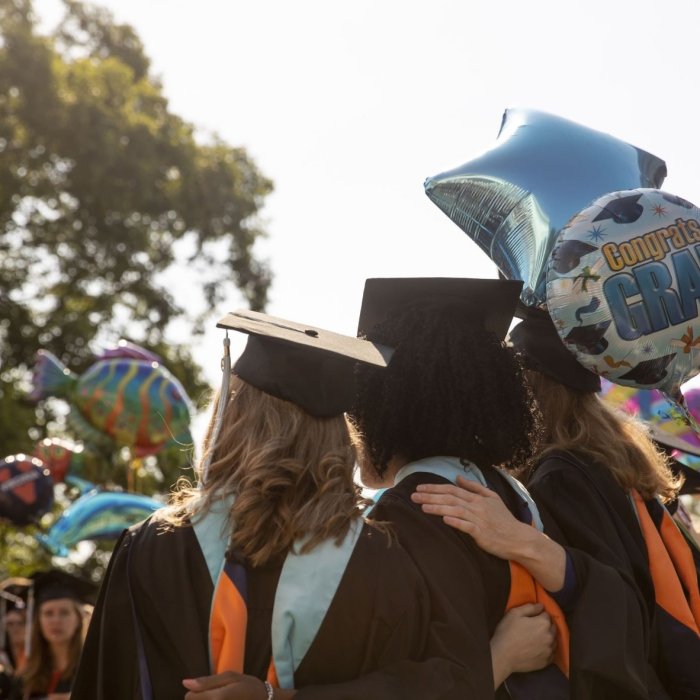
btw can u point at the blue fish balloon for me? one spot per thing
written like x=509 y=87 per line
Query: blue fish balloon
x=97 y=515
x=515 y=198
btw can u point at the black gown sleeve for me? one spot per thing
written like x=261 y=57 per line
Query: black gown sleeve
x=107 y=669
x=609 y=622
x=171 y=588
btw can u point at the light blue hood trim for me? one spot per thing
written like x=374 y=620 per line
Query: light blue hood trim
x=450 y=468
x=306 y=587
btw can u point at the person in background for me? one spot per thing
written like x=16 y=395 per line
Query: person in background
x=13 y=626
x=56 y=635
x=13 y=611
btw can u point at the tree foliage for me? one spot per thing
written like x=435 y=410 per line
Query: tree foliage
x=99 y=183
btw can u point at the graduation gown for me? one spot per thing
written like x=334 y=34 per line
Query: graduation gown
x=583 y=507
x=373 y=643
x=469 y=589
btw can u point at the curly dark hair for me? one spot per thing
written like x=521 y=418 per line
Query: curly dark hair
x=452 y=388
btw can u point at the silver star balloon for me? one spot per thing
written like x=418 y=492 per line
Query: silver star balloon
x=514 y=199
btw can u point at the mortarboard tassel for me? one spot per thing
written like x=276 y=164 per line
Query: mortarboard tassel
x=28 y=628
x=221 y=406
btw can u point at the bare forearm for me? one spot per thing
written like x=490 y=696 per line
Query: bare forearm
x=542 y=557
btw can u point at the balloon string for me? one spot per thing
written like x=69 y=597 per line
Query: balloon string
x=221 y=406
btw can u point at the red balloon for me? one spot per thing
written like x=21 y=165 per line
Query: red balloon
x=26 y=489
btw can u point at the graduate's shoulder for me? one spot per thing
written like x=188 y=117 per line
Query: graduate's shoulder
x=561 y=469
x=158 y=531
x=156 y=545
x=398 y=497
x=380 y=567
x=423 y=535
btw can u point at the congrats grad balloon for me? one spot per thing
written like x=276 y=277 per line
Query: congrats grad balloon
x=514 y=199
x=623 y=284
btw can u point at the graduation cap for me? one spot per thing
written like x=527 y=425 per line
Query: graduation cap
x=13 y=593
x=491 y=302
x=55 y=584
x=311 y=367
x=539 y=344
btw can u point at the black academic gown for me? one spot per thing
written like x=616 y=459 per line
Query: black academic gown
x=583 y=507
x=374 y=643
x=469 y=590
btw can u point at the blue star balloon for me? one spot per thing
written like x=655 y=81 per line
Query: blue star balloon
x=514 y=199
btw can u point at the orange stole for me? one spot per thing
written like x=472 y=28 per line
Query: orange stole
x=671 y=566
x=525 y=589
x=229 y=620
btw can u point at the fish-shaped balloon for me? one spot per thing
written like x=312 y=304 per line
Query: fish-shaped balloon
x=26 y=489
x=126 y=349
x=119 y=401
x=64 y=458
x=97 y=515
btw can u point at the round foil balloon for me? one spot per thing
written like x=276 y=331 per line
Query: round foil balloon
x=514 y=199
x=26 y=489
x=623 y=283
x=66 y=459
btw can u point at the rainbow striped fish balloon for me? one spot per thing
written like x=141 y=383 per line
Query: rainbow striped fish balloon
x=122 y=400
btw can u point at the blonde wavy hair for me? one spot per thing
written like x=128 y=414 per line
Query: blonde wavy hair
x=582 y=422
x=291 y=475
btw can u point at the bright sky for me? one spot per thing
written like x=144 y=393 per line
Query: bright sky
x=349 y=106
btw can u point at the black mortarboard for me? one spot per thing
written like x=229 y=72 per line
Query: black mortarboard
x=54 y=584
x=13 y=593
x=541 y=348
x=311 y=367
x=491 y=301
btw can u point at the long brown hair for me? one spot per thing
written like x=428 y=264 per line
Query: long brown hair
x=582 y=422
x=39 y=668
x=291 y=475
